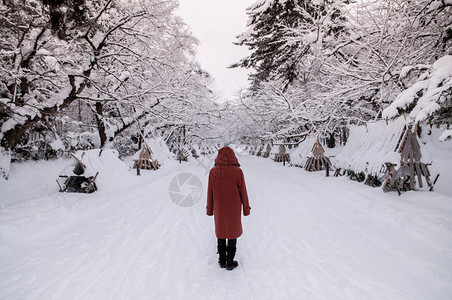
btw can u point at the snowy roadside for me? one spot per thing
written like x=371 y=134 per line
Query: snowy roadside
x=308 y=236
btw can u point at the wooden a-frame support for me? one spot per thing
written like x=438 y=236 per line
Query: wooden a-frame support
x=411 y=166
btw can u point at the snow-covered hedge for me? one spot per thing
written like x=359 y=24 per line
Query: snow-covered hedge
x=300 y=154
x=369 y=147
x=273 y=152
x=160 y=150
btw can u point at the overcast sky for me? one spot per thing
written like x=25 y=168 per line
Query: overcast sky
x=216 y=23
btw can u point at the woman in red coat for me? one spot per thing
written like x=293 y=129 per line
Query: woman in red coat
x=226 y=193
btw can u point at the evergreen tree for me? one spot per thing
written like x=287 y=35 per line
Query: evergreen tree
x=282 y=33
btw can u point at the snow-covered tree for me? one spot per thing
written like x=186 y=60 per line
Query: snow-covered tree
x=385 y=37
x=347 y=64
x=429 y=98
x=282 y=34
x=275 y=112
x=32 y=61
x=119 y=61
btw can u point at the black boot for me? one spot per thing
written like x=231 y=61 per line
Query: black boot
x=231 y=264
x=222 y=256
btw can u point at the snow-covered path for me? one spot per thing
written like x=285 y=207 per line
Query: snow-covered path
x=308 y=237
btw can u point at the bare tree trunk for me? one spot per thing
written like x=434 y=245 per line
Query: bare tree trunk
x=100 y=124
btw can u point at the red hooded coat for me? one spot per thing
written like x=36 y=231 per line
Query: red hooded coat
x=226 y=193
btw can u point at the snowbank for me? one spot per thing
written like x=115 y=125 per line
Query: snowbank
x=111 y=169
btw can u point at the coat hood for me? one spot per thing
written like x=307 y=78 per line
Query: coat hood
x=226 y=157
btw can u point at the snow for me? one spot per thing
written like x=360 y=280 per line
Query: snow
x=442 y=67
x=125 y=75
x=160 y=150
x=406 y=70
x=369 y=147
x=88 y=137
x=259 y=6
x=274 y=150
x=5 y=159
x=300 y=154
x=254 y=9
x=404 y=99
x=428 y=89
x=310 y=38
x=106 y=162
x=447 y=135
x=57 y=145
x=98 y=38
x=301 y=241
x=441 y=157
x=34 y=108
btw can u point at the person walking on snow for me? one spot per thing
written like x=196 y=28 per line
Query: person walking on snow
x=226 y=193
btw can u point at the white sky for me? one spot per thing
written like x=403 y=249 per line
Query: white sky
x=216 y=23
